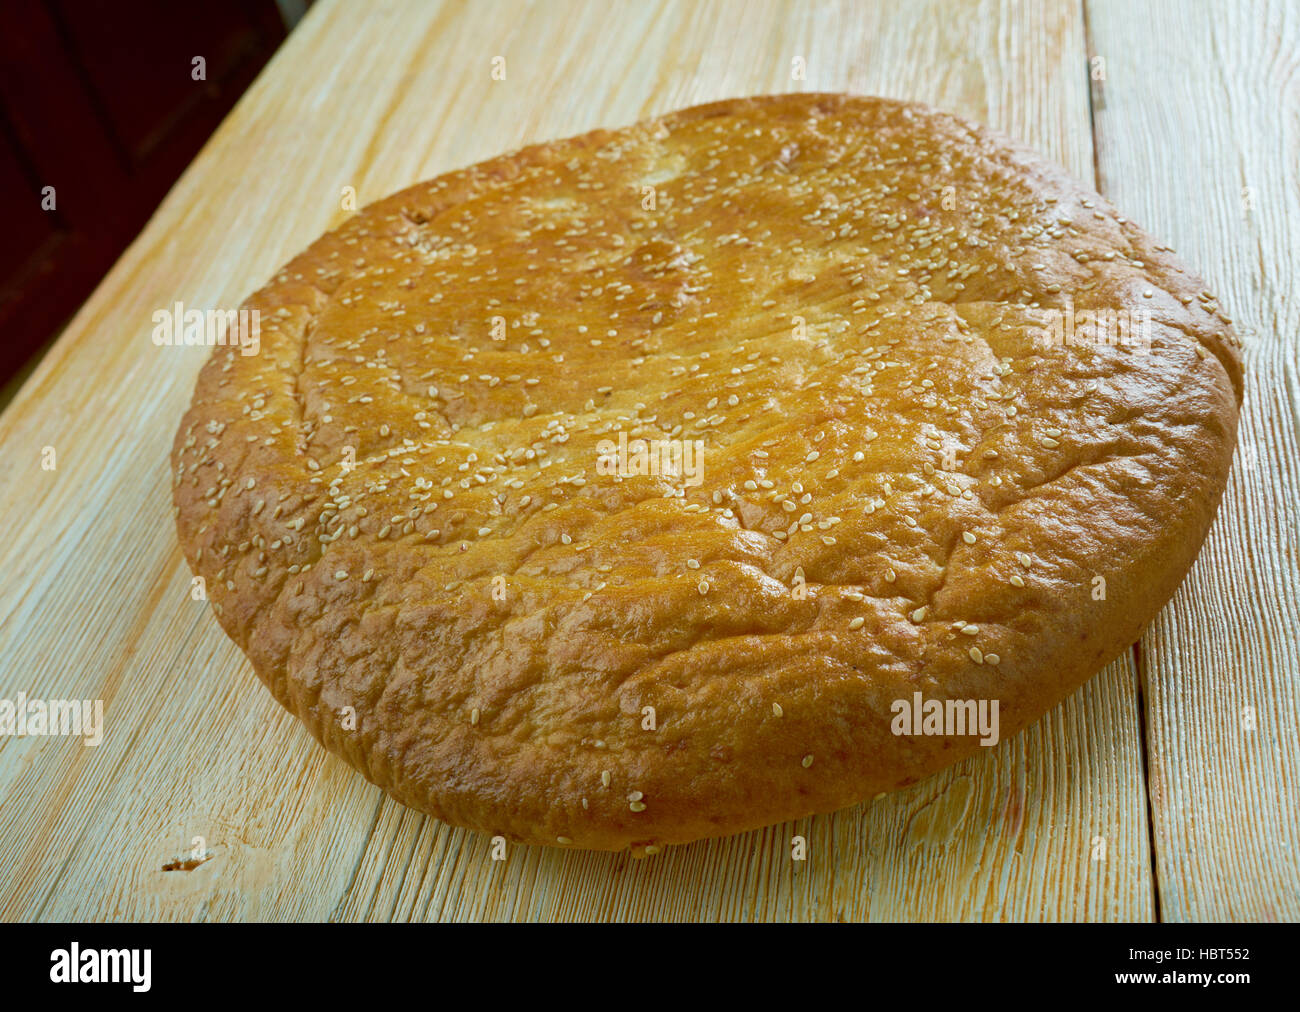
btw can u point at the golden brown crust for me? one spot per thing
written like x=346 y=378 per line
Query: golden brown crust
x=842 y=298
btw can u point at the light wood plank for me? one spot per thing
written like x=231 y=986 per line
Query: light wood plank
x=377 y=96
x=1201 y=102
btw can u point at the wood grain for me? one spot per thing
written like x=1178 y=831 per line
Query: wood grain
x=96 y=599
x=1198 y=138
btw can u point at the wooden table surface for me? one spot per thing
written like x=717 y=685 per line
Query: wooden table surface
x=1168 y=788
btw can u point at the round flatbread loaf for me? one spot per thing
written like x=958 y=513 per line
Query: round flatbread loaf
x=942 y=421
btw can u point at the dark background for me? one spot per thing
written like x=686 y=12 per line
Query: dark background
x=98 y=100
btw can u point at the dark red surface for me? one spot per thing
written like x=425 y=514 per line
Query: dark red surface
x=98 y=101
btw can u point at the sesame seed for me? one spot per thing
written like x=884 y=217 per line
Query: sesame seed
x=807 y=761
x=858 y=623
x=968 y=537
x=976 y=656
x=777 y=711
